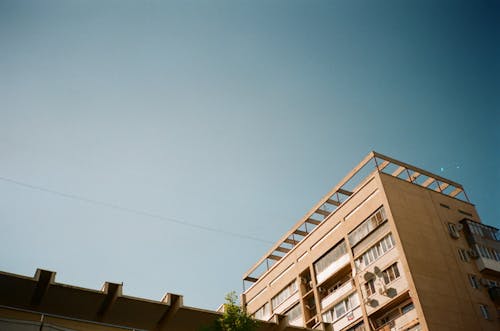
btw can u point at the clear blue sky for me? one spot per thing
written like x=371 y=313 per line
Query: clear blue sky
x=236 y=115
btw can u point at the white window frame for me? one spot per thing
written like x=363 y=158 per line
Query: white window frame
x=263 y=312
x=473 y=281
x=295 y=310
x=395 y=271
x=462 y=253
x=484 y=311
x=376 y=251
x=367 y=226
x=348 y=304
x=284 y=294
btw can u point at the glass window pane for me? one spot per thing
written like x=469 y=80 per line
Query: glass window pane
x=340 y=309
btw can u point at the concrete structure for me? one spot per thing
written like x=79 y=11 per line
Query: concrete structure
x=41 y=304
x=391 y=247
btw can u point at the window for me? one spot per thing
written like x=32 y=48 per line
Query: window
x=284 y=294
x=393 y=314
x=488 y=252
x=333 y=255
x=263 y=312
x=390 y=273
x=475 y=228
x=294 y=313
x=342 y=308
x=407 y=308
x=462 y=253
x=377 y=250
x=484 y=311
x=367 y=226
x=452 y=229
x=370 y=287
x=473 y=281
x=482 y=230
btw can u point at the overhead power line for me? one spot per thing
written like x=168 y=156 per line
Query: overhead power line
x=131 y=210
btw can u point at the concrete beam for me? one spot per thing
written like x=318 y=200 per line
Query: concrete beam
x=44 y=279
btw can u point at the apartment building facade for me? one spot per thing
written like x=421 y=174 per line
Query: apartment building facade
x=391 y=247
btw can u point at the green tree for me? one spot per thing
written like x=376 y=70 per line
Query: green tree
x=234 y=318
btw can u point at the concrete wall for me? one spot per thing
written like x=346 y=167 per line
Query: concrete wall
x=439 y=278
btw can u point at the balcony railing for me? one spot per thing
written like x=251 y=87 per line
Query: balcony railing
x=401 y=322
x=287 y=303
x=337 y=294
x=298 y=321
x=348 y=318
x=265 y=317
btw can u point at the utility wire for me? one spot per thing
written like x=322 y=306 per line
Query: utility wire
x=132 y=211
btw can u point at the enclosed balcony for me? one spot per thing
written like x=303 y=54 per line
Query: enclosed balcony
x=488 y=265
x=344 y=312
x=283 y=306
x=402 y=322
x=337 y=293
x=485 y=244
x=399 y=314
x=330 y=263
x=286 y=298
x=295 y=317
x=349 y=318
x=332 y=268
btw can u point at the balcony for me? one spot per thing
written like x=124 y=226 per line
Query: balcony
x=297 y=321
x=488 y=265
x=332 y=268
x=265 y=317
x=402 y=322
x=287 y=303
x=348 y=318
x=337 y=294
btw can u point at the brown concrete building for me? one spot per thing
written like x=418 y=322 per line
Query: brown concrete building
x=39 y=303
x=391 y=247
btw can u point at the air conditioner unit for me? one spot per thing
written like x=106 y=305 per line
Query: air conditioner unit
x=473 y=254
x=367 y=301
x=368 y=276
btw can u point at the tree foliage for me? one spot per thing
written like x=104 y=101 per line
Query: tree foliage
x=234 y=318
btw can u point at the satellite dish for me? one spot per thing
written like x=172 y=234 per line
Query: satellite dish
x=368 y=275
